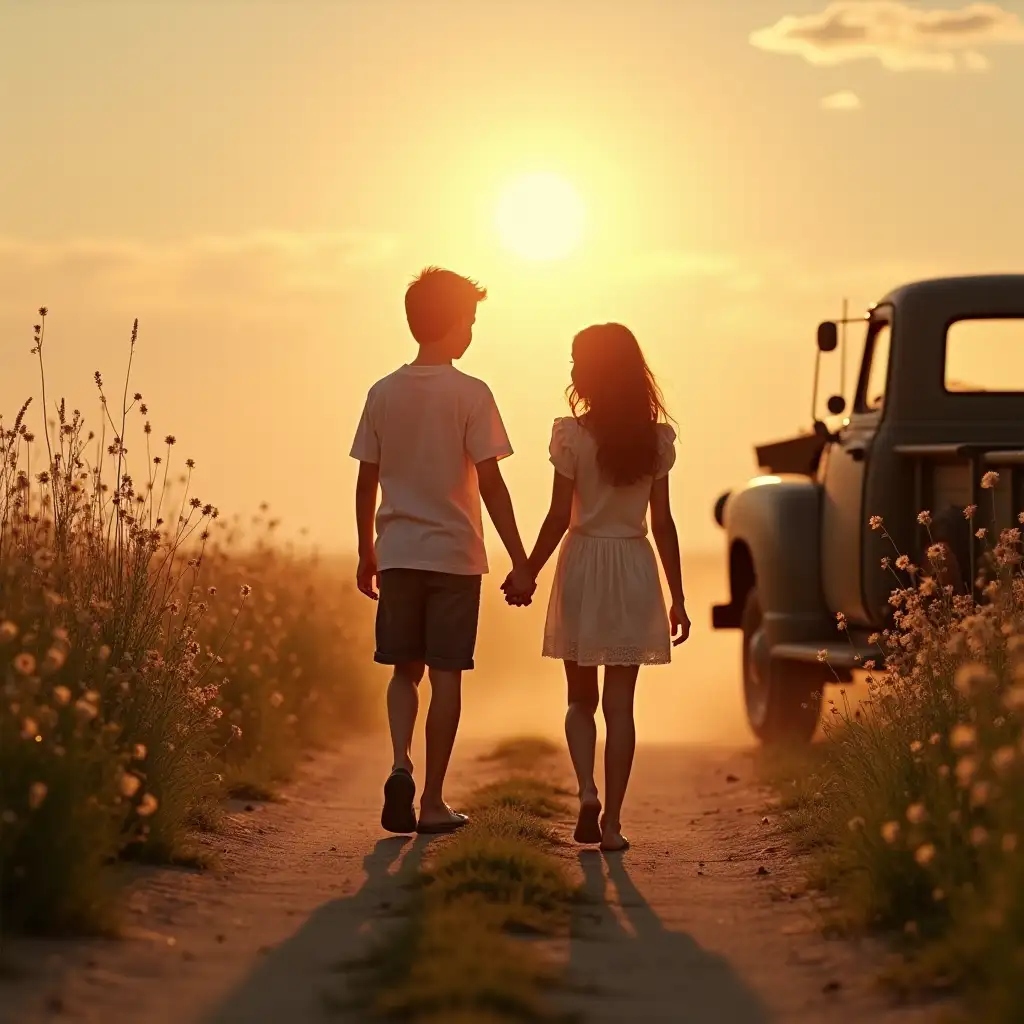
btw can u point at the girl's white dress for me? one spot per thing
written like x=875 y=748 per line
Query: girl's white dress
x=606 y=605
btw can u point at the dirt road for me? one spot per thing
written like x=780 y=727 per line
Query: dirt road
x=704 y=920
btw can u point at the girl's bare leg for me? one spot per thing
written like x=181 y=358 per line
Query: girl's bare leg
x=620 y=744
x=581 y=736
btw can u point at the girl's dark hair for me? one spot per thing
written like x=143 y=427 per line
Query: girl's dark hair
x=615 y=393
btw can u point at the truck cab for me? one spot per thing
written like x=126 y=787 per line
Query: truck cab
x=934 y=406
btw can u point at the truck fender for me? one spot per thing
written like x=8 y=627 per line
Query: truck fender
x=773 y=526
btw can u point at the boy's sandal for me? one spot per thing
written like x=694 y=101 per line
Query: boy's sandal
x=438 y=828
x=399 y=815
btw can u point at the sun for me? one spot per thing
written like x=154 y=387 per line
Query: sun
x=540 y=217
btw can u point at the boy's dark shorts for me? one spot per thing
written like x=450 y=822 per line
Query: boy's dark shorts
x=429 y=617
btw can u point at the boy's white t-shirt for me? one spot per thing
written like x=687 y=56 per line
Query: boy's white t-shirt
x=427 y=427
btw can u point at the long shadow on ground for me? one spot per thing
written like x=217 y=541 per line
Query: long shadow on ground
x=290 y=984
x=637 y=969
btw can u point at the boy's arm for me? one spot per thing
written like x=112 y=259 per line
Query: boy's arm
x=366 y=448
x=366 y=508
x=499 y=506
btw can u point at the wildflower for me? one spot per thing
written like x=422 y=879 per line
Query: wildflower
x=29 y=728
x=36 y=794
x=1009 y=843
x=970 y=511
x=24 y=663
x=43 y=559
x=916 y=814
x=873 y=638
x=971 y=677
x=935 y=739
x=276 y=699
x=147 y=805
x=963 y=737
x=840 y=621
x=823 y=655
x=924 y=854
x=212 y=591
x=245 y=591
x=129 y=785
x=980 y=793
x=170 y=439
x=981 y=533
x=903 y=562
x=978 y=836
x=966 y=769
x=62 y=695
x=236 y=732
x=103 y=653
x=989 y=480
x=1003 y=758
x=1020 y=517
x=924 y=518
x=86 y=711
x=916 y=746
x=927 y=587
x=54 y=660
x=875 y=522
x=139 y=753
x=891 y=831
x=8 y=631
x=886 y=562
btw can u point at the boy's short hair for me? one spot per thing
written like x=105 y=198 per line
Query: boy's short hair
x=437 y=300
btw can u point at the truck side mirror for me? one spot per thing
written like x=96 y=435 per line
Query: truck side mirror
x=828 y=336
x=836 y=405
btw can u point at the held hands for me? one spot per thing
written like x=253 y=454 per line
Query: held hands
x=519 y=586
x=680 y=623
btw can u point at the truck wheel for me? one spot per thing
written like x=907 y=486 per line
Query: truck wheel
x=783 y=700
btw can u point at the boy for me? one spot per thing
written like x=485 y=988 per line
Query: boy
x=431 y=437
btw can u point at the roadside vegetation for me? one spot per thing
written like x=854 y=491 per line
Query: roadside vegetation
x=155 y=656
x=459 y=954
x=914 y=804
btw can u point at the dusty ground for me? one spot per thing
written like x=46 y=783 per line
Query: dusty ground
x=683 y=927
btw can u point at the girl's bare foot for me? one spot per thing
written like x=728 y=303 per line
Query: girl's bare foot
x=612 y=839
x=588 y=828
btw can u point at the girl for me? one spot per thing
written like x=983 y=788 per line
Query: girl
x=612 y=457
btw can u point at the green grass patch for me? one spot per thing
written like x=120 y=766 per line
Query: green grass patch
x=460 y=953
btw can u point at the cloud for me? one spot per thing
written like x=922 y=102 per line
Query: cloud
x=213 y=270
x=843 y=100
x=901 y=36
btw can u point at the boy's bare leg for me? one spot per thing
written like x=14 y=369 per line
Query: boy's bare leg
x=442 y=725
x=399 y=813
x=403 y=707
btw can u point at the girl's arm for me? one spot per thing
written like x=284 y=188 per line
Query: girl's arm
x=666 y=539
x=556 y=522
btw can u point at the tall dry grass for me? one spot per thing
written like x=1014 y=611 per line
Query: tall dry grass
x=918 y=807
x=155 y=656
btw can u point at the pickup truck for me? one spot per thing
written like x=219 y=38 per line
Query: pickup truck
x=935 y=405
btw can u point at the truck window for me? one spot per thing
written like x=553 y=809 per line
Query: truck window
x=876 y=372
x=985 y=355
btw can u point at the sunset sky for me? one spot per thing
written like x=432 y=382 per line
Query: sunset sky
x=258 y=181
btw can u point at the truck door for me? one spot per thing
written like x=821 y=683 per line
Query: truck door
x=843 y=516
